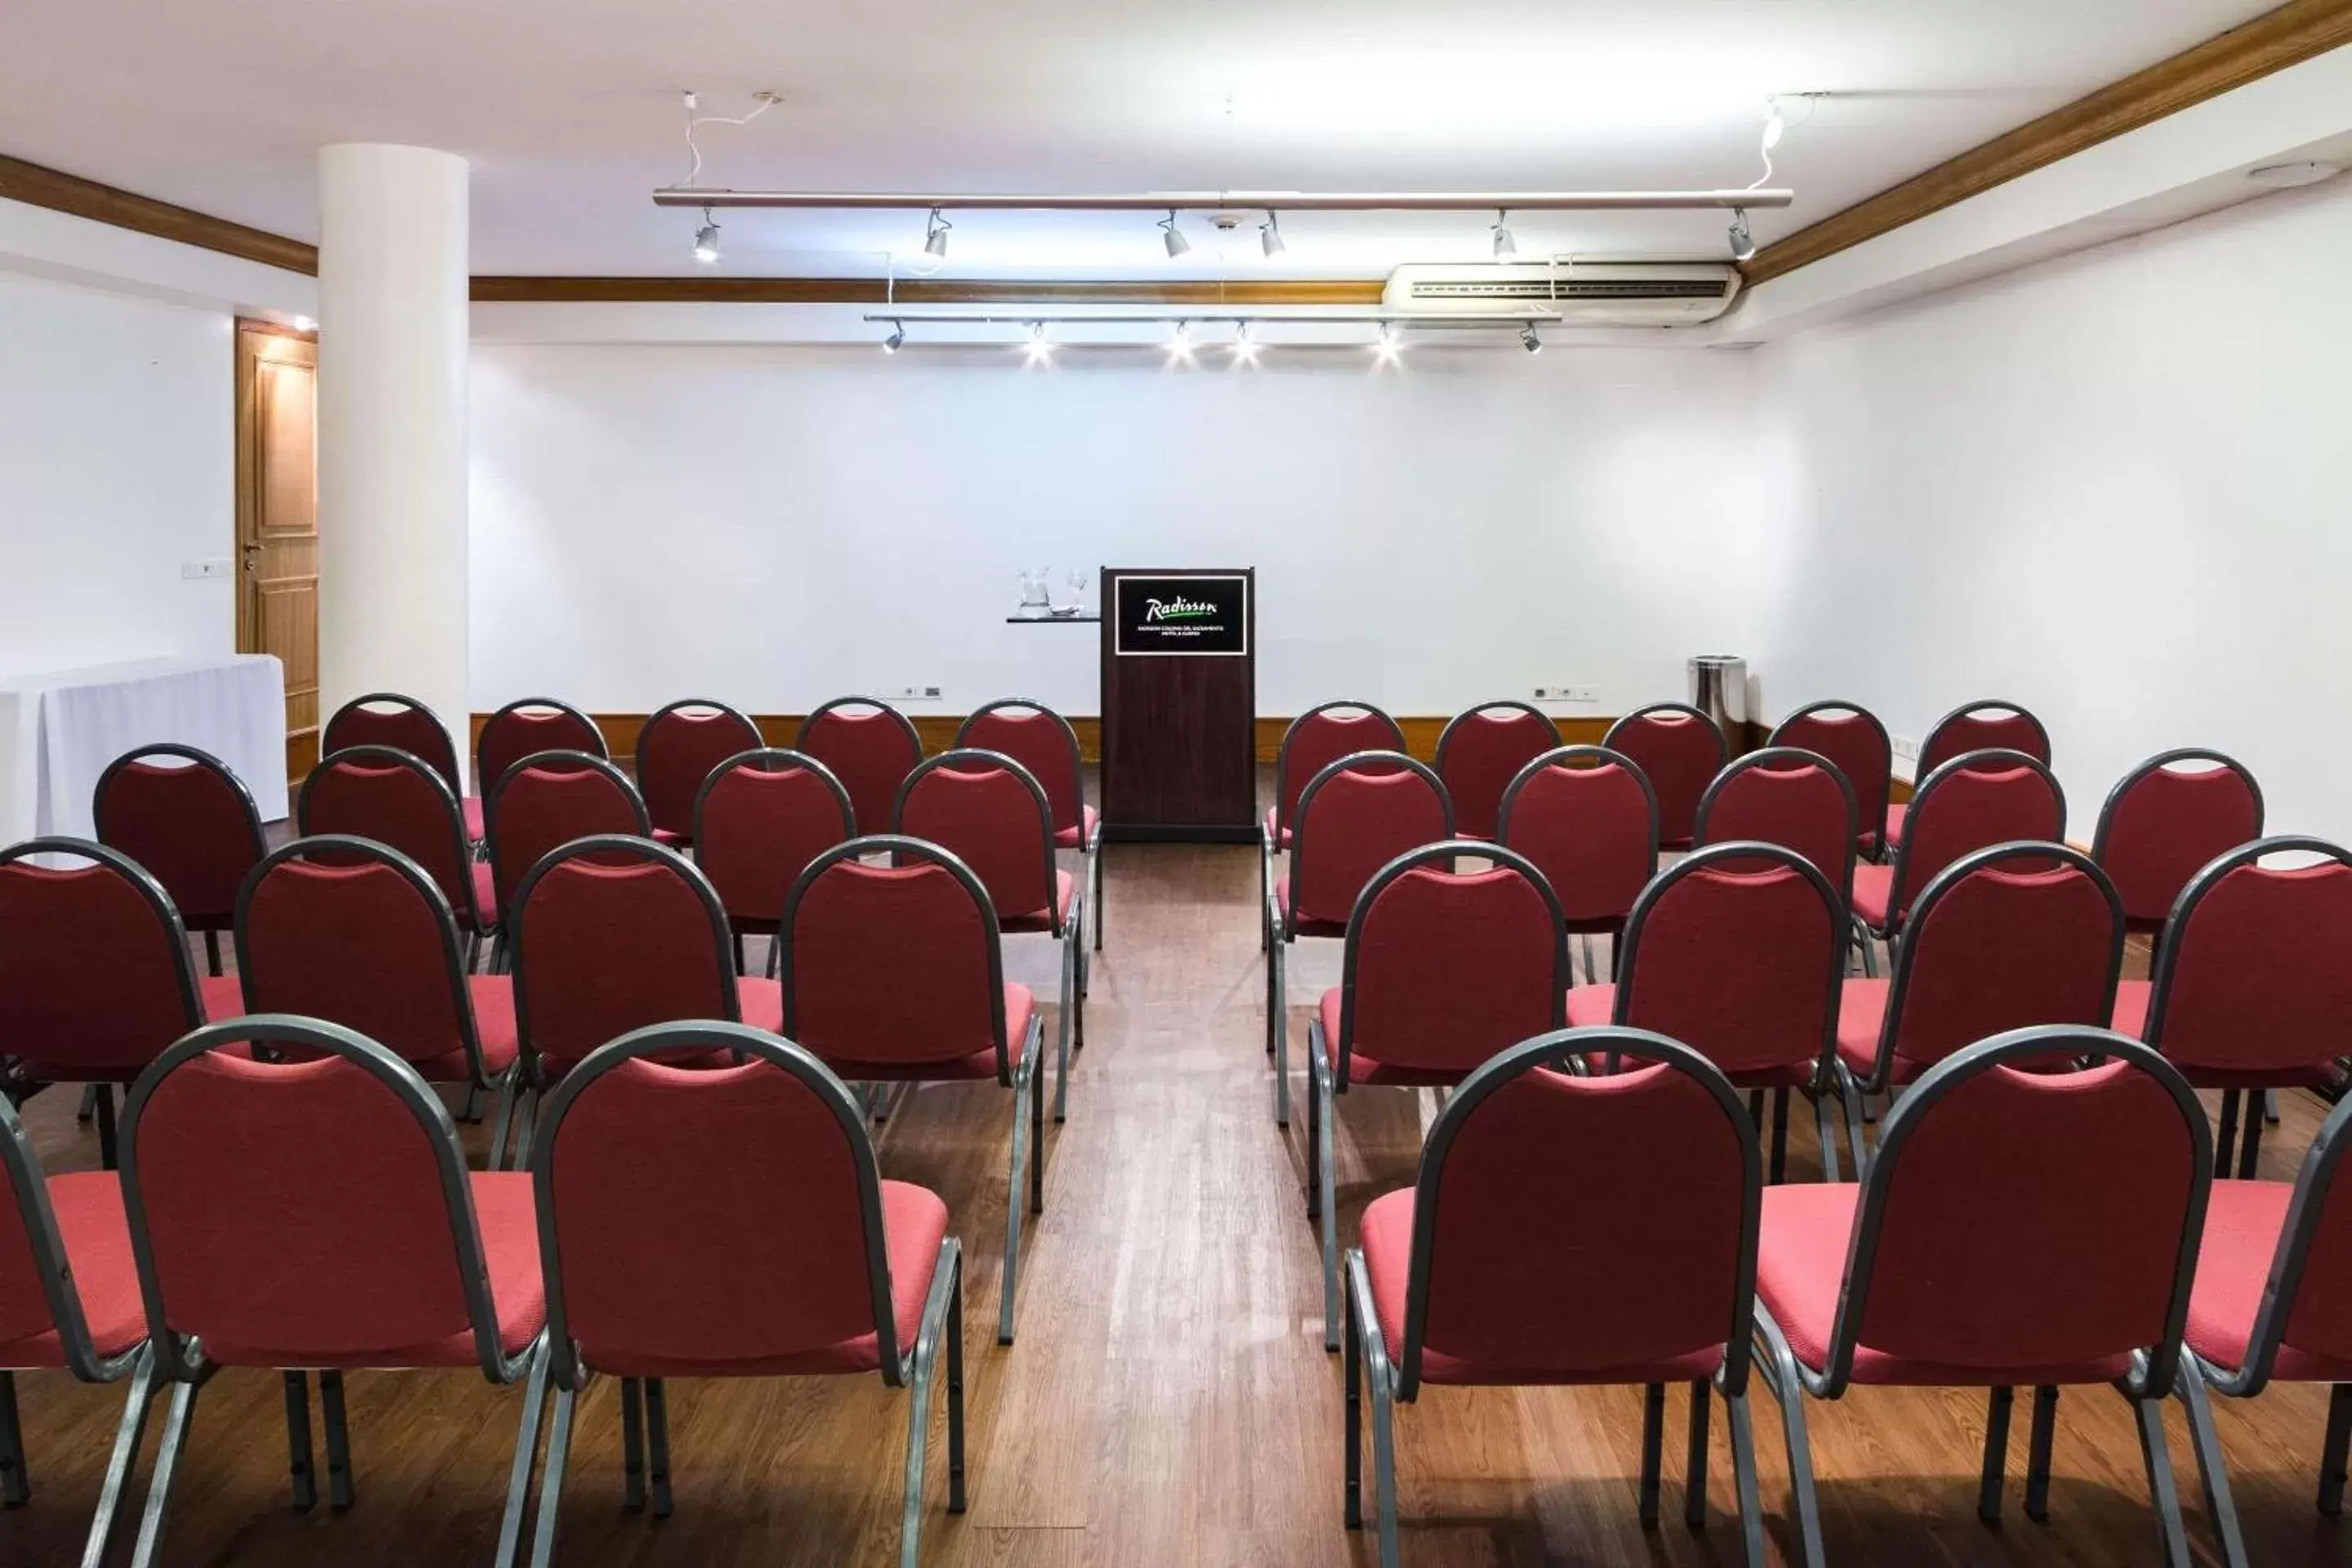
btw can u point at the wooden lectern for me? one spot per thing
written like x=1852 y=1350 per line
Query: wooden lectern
x=1180 y=705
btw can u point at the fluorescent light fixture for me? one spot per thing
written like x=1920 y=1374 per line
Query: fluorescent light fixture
x=935 y=236
x=1743 y=242
x=1269 y=235
x=897 y=339
x=1172 y=236
x=1529 y=341
x=1505 y=246
x=705 y=240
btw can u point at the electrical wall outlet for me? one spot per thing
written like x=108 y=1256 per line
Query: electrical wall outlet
x=1568 y=692
x=916 y=694
x=1906 y=749
x=196 y=571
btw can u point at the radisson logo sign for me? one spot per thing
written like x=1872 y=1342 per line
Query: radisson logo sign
x=1177 y=609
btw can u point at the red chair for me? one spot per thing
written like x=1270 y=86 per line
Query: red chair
x=1569 y=1230
x=2273 y=1302
x=992 y=814
x=354 y=932
x=2020 y=1228
x=1851 y=736
x=1442 y=971
x=895 y=974
x=318 y=1213
x=2167 y=818
x=1043 y=741
x=1989 y=725
x=532 y=725
x=1797 y=799
x=405 y=724
x=95 y=980
x=1970 y=804
x=1368 y=808
x=1588 y=818
x=1313 y=742
x=191 y=822
x=761 y=817
x=70 y=1299
x=396 y=798
x=668 y=1254
x=2007 y=938
x=611 y=933
x=2253 y=982
x=1481 y=751
x=870 y=746
x=1679 y=749
x=677 y=751
x=1738 y=951
x=541 y=804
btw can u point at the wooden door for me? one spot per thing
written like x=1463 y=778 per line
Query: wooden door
x=278 y=519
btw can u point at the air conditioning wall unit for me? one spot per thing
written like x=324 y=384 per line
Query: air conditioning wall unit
x=1582 y=293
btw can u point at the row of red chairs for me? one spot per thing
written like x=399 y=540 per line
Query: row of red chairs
x=309 y=1209
x=2042 y=1213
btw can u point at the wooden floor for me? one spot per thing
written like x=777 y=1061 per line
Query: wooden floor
x=1169 y=1401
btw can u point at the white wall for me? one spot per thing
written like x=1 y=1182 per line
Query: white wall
x=117 y=463
x=2117 y=488
x=777 y=525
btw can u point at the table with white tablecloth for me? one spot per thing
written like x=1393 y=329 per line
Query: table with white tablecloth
x=59 y=729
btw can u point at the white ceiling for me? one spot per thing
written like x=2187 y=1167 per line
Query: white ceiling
x=570 y=112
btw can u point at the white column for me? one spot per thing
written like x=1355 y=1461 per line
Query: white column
x=392 y=427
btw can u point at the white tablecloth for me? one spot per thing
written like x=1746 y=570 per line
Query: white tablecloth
x=58 y=730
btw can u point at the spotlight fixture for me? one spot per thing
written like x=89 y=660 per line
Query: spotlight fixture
x=935 y=236
x=1172 y=236
x=1269 y=235
x=1743 y=243
x=1039 y=349
x=1505 y=246
x=1387 y=348
x=705 y=240
x=1529 y=341
x=1179 y=345
x=305 y=325
x=897 y=339
x=1245 y=346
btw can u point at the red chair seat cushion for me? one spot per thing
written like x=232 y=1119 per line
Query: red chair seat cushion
x=1304 y=925
x=509 y=1226
x=96 y=1239
x=1894 y=816
x=2242 y=1221
x=223 y=996
x=914 y=1223
x=1862 y=1014
x=1800 y=1257
x=1279 y=836
x=485 y=896
x=1064 y=887
x=1590 y=1005
x=673 y=837
x=1019 y=1005
x=2130 y=1016
x=1388 y=1254
x=1077 y=837
x=1363 y=1068
x=493 y=1027
x=470 y=808
x=1874 y=893
x=763 y=1002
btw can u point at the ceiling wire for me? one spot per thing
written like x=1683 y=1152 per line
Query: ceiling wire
x=762 y=102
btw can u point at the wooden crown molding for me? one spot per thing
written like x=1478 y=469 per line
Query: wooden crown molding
x=919 y=291
x=61 y=192
x=2271 y=42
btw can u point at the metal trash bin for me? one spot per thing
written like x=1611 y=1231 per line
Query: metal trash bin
x=1719 y=688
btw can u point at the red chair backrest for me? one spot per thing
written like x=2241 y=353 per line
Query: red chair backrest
x=707 y=1217
x=2255 y=972
x=2015 y=1219
x=1481 y=751
x=762 y=816
x=94 y=971
x=1041 y=740
x=611 y=934
x=2011 y=937
x=1858 y=743
x=871 y=748
x=2165 y=821
x=1586 y=817
x=1354 y=817
x=314 y=1208
x=534 y=724
x=394 y=797
x=1443 y=970
x=1972 y=803
x=677 y=751
x=896 y=965
x=339 y=929
x=1989 y=725
x=547 y=800
x=984 y=808
x=1680 y=751
x=185 y=818
x=1739 y=956
x=1798 y=800
x=402 y=724
x=1319 y=737
x=1565 y=1225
